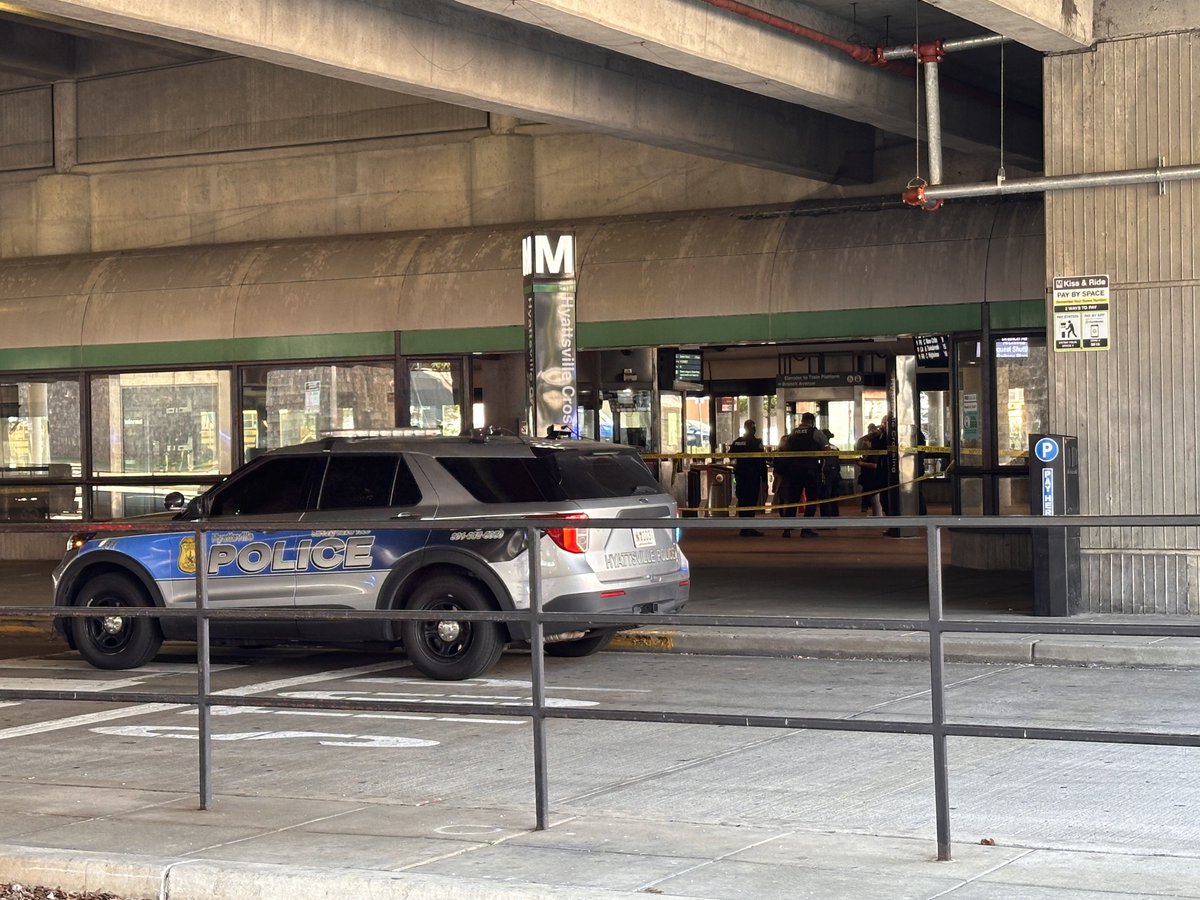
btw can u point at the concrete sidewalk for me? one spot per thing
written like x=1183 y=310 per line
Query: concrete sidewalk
x=389 y=854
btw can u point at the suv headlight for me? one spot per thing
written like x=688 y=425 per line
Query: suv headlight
x=78 y=539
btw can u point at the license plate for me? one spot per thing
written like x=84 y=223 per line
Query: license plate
x=643 y=537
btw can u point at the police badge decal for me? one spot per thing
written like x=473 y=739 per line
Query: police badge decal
x=187 y=555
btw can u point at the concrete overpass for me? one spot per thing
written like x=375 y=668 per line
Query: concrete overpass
x=681 y=74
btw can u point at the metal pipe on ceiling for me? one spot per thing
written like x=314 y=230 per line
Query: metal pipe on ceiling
x=931 y=196
x=952 y=45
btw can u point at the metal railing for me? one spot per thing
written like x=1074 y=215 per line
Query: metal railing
x=936 y=625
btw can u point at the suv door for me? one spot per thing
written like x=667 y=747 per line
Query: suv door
x=251 y=567
x=349 y=566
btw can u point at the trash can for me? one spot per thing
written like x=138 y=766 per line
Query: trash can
x=720 y=489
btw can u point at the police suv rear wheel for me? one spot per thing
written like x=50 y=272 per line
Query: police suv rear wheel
x=115 y=641
x=446 y=648
x=592 y=642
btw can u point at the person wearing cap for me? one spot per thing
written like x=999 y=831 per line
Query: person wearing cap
x=749 y=474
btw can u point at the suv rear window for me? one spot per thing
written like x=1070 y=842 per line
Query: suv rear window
x=598 y=476
x=552 y=475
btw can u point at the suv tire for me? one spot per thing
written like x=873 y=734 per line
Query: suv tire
x=115 y=642
x=446 y=649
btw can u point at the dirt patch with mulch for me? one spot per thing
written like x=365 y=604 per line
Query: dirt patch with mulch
x=15 y=891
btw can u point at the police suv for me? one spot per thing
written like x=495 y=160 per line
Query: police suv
x=343 y=494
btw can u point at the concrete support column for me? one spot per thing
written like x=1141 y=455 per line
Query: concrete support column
x=501 y=176
x=66 y=126
x=63 y=206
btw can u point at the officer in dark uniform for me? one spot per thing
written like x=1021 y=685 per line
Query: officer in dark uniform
x=749 y=474
x=806 y=470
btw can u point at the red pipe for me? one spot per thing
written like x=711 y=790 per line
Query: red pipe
x=871 y=57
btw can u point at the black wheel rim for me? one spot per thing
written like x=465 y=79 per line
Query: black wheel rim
x=100 y=632
x=436 y=642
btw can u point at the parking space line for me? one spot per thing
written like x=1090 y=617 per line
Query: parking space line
x=146 y=709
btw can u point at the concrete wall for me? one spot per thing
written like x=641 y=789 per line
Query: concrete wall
x=1124 y=106
x=235 y=150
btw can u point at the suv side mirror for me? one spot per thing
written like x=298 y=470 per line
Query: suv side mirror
x=174 y=500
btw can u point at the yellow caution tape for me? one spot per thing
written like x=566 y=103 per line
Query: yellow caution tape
x=775 y=454
x=774 y=507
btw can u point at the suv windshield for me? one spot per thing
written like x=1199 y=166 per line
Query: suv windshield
x=552 y=475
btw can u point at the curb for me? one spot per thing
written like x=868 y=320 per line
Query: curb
x=1008 y=649
x=197 y=879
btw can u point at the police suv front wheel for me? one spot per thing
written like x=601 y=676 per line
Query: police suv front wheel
x=114 y=641
x=446 y=648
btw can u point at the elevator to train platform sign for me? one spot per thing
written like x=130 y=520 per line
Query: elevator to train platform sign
x=1081 y=307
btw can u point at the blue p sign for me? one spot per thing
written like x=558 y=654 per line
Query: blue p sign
x=1046 y=449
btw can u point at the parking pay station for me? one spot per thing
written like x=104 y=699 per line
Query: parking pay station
x=1054 y=491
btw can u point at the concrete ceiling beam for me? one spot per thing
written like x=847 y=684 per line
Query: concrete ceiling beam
x=445 y=52
x=36 y=52
x=719 y=46
x=1048 y=27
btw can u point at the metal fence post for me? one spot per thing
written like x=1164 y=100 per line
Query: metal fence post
x=937 y=692
x=204 y=669
x=538 y=664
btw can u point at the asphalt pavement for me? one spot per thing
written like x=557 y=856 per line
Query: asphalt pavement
x=82 y=836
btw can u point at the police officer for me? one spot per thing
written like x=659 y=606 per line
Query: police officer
x=804 y=472
x=749 y=474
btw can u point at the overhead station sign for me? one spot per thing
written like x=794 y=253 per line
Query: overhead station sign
x=1081 y=305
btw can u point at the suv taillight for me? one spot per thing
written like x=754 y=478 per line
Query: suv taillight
x=573 y=540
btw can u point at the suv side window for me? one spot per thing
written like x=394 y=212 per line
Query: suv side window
x=362 y=481
x=279 y=486
x=503 y=479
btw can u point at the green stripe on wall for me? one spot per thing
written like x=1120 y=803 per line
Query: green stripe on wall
x=781 y=327
x=1019 y=314
x=173 y=353
x=498 y=339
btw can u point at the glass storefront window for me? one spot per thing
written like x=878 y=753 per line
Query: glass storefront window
x=284 y=405
x=39 y=428
x=38 y=502
x=699 y=434
x=434 y=396
x=1021 y=401
x=970 y=383
x=161 y=423
x=670 y=424
x=116 y=501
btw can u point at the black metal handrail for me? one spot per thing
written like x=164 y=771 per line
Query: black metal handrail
x=935 y=624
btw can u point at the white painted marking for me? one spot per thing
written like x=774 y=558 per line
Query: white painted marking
x=337 y=675
x=343 y=714
x=559 y=702
x=85 y=720
x=152 y=708
x=324 y=738
x=64 y=684
x=499 y=683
